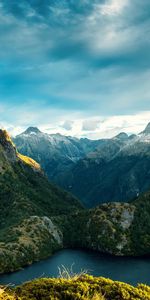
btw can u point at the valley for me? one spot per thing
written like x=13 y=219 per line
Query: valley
x=40 y=218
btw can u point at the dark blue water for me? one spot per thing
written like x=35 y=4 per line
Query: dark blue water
x=130 y=270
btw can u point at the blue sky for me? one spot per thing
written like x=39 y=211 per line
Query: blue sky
x=75 y=66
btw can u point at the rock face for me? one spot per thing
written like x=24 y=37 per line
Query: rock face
x=53 y=230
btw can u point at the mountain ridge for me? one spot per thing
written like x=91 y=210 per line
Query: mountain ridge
x=146 y=130
x=108 y=169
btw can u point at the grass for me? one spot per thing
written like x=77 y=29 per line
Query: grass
x=76 y=287
x=29 y=161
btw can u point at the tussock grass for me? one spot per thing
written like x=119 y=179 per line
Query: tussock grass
x=75 y=287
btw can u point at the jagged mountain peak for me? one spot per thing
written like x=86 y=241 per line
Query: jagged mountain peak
x=122 y=136
x=146 y=131
x=132 y=136
x=32 y=130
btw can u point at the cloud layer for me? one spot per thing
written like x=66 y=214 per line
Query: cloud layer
x=63 y=60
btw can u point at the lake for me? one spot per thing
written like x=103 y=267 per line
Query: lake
x=130 y=270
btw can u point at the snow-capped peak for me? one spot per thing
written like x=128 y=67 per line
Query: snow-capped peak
x=32 y=130
x=146 y=131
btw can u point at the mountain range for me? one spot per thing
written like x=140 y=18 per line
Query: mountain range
x=55 y=152
x=105 y=170
x=38 y=218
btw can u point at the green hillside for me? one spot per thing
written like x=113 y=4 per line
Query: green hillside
x=27 y=201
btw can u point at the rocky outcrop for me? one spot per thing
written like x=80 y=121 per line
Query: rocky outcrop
x=114 y=228
x=108 y=228
x=33 y=239
x=7 y=145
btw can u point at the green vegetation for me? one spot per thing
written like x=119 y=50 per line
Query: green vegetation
x=27 y=203
x=29 y=161
x=140 y=228
x=37 y=218
x=115 y=228
x=33 y=239
x=82 y=287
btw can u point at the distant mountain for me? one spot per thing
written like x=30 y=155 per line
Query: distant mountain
x=56 y=153
x=146 y=130
x=98 y=171
x=116 y=171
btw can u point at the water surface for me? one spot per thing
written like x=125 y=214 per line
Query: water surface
x=130 y=270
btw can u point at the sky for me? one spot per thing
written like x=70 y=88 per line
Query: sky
x=78 y=67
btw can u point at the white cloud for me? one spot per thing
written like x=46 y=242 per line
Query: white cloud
x=113 y=7
x=67 y=125
x=90 y=124
x=104 y=127
x=130 y=124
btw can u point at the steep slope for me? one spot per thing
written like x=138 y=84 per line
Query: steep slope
x=27 y=202
x=146 y=131
x=55 y=152
x=23 y=185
